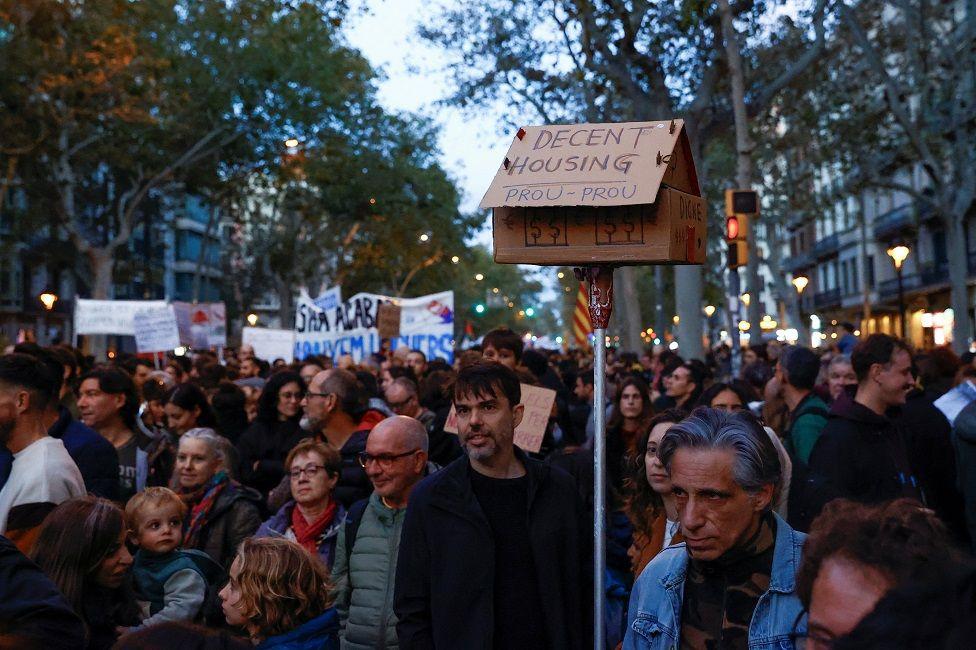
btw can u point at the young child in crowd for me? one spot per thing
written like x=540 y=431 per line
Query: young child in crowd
x=171 y=584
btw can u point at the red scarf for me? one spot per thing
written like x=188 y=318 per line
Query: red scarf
x=307 y=534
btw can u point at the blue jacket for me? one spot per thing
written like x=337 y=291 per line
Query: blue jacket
x=94 y=455
x=321 y=633
x=654 y=620
x=280 y=522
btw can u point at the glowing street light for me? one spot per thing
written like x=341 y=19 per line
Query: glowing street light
x=479 y=277
x=800 y=283
x=709 y=310
x=424 y=237
x=252 y=319
x=48 y=298
x=455 y=259
x=898 y=255
x=560 y=275
x=746 y=299
x=291 y=143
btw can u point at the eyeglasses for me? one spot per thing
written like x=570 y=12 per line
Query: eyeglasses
x=385 y=461
x=310 y=471
x=296 y=396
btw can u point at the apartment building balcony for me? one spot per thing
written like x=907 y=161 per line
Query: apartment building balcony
x=827 y=299
x=798 y=262
x=826 y=247
x=894 y=222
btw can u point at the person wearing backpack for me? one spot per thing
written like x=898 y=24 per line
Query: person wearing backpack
x=796 y=372
x=364 y=566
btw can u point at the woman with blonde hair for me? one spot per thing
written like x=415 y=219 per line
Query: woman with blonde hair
x=279 y=594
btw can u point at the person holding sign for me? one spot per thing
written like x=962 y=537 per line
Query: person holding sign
x=495 y=547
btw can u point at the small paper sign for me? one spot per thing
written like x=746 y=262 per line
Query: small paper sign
x=388 y=320
x=156 y=330
x=531 y=430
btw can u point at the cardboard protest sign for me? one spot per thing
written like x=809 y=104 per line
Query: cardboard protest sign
x=155 y=329
x=270 y=344
x=110 y=316
x=426 y=324
x=596 y=193
x=531 y=430
x=388 y=320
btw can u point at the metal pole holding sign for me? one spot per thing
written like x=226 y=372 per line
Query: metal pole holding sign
x=601 y=305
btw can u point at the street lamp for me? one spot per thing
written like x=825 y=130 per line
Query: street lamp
x=48 y=298
x=898 y=255
x=800 y=283
x=746 y=299
x=709 y=310
x=252 y=319
x=291 y=143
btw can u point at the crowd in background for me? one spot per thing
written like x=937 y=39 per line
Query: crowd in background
x=236 y=501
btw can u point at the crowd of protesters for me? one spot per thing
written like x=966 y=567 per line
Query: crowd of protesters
x=816 y=499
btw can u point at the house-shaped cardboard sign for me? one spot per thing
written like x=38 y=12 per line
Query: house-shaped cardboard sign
x=584 y=194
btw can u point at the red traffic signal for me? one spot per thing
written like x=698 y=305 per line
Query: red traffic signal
x=732 y=228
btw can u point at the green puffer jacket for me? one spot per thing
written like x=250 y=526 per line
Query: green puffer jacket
x=364 y=583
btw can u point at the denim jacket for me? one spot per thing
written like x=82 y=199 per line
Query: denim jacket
x=654 y=620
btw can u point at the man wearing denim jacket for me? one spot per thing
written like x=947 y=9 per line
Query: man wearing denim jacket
x=732 y=583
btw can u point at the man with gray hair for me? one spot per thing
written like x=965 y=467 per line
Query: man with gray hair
x=732 y=582
x=363 y=571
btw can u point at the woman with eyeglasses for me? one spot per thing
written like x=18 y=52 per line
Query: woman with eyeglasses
x=267 y=441
x=312 y=518
x=220 y=511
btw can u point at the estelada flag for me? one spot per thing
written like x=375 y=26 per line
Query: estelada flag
x=582 y=327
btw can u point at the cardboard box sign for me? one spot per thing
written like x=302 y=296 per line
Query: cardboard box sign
x=598 y=193
x=388 y=320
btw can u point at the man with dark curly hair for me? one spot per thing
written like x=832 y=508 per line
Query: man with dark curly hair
x=857 y=553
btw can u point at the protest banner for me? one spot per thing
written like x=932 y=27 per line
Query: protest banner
x=329 y=299
x=110 y=316
x=156 y=330
x=531 y=430
x=426 y=324
x=270 y=344
x=202 y=324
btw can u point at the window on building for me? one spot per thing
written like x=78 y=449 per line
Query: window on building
x=870 y=269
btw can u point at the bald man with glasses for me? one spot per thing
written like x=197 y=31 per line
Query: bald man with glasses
x=395 y=459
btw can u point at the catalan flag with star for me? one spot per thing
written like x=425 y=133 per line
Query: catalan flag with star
x=582 y=328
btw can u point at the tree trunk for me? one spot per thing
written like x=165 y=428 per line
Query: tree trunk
x=687 y=299
x=102 y=262
x=743 y=164
x=962 y=330
x=628 y=308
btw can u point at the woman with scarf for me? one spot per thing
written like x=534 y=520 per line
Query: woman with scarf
x=311 y=517
x=266 y=442
x=220 y=512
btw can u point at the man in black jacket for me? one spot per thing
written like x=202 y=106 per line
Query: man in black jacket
x=862 y=453
x=494 y=549
x=33 y=613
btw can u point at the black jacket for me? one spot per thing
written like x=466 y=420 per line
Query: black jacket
x=863 y=456
x=445 y=569
x=235 y=516
x=267 y=446
x=32 y=610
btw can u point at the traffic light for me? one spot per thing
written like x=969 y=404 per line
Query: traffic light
x=739 y=206
x=530 y=311
x=479 y=308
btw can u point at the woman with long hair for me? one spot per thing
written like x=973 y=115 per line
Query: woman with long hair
x=630 y=418
x=81 y=547
x=279 y=594
x=649 y=501
x=275 y=430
